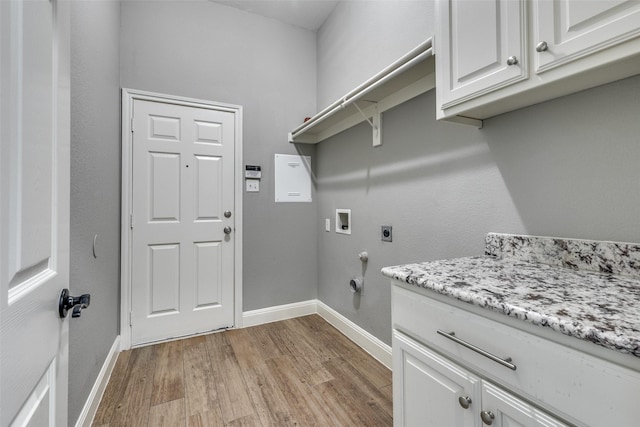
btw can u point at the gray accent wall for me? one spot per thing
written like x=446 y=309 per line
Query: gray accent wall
x=360 y=38
x=205 y=50
x=567 y=168
x=95 y=191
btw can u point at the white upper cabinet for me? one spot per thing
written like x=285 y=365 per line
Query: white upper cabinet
x=554 y=48
x=571 y=29
x=488 y=57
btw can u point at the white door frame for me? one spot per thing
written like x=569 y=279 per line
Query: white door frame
x=128 y=97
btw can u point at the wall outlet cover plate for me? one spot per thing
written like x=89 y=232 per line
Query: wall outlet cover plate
x=387 y=233
x=253 y=185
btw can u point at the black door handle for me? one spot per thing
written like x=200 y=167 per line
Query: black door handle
x=68 y=302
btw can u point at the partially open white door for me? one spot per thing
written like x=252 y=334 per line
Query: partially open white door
x=34 y=211
x=182 y=221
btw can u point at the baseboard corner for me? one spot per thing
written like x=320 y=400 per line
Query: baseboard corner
x=369 y=343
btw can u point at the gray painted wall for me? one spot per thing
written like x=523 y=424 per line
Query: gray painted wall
x=95 y=191
x=567 y=167
x=360 y=38
x=209 y=51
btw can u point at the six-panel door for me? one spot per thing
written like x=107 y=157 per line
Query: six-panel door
x=183 y=182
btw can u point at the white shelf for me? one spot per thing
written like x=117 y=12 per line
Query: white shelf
x=406 y=78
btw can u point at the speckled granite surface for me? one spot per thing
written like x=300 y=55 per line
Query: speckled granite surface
x=597 y=307
x=591 y=255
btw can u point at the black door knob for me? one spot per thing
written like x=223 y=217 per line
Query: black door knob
x=68 y=302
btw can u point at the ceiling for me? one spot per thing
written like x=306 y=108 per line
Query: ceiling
x=309 y=14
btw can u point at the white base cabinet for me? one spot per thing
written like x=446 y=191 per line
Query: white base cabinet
x=436 y=392
x=528 y=376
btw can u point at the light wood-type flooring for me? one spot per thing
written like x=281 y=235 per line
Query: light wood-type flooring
x=297 y=372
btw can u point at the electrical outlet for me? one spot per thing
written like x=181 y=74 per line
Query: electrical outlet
x=327 y=224
x=253 y=185
x=387 y=233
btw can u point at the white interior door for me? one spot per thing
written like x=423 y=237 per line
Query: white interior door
x=34 y=212
x=182 y=272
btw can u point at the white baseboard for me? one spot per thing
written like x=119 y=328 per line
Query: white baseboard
x=278 y=312
x=372 y=345
x=91 y=405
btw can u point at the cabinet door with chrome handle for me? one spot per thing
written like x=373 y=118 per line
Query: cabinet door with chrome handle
x=501 y=408
x=479 y=44
x=419 y=372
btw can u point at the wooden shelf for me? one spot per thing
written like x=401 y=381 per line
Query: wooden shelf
x=406 y=78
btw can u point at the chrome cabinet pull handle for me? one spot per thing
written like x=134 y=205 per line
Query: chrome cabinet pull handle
x=512 y=60
x=464 y=401
x=487 y=417
x=504 y=362
x=542 y=46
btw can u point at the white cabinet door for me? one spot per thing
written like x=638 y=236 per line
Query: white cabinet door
x=573 y=29
x=474 y=41
x=505 y=410
x=427 y=388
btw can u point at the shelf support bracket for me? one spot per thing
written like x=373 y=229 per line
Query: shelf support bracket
x=375 y=122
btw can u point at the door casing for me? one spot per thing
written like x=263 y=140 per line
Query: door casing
x=128 y=97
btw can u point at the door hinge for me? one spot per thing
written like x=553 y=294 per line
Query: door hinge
x=131 y=221
x=130 y=321
x=131 y=124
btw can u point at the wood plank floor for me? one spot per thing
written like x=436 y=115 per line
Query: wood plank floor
x=297 y=372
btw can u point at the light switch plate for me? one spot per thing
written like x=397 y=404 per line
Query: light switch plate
x=253 y=185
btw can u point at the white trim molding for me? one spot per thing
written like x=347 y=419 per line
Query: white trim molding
x=372 y=345
x=97 y=391
x=279 y=312
x=128 y=97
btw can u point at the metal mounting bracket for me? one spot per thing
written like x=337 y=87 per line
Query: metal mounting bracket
x=375 y=122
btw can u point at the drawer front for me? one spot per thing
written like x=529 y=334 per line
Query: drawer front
x=577 y=386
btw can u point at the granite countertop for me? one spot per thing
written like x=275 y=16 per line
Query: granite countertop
x=599 y=307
